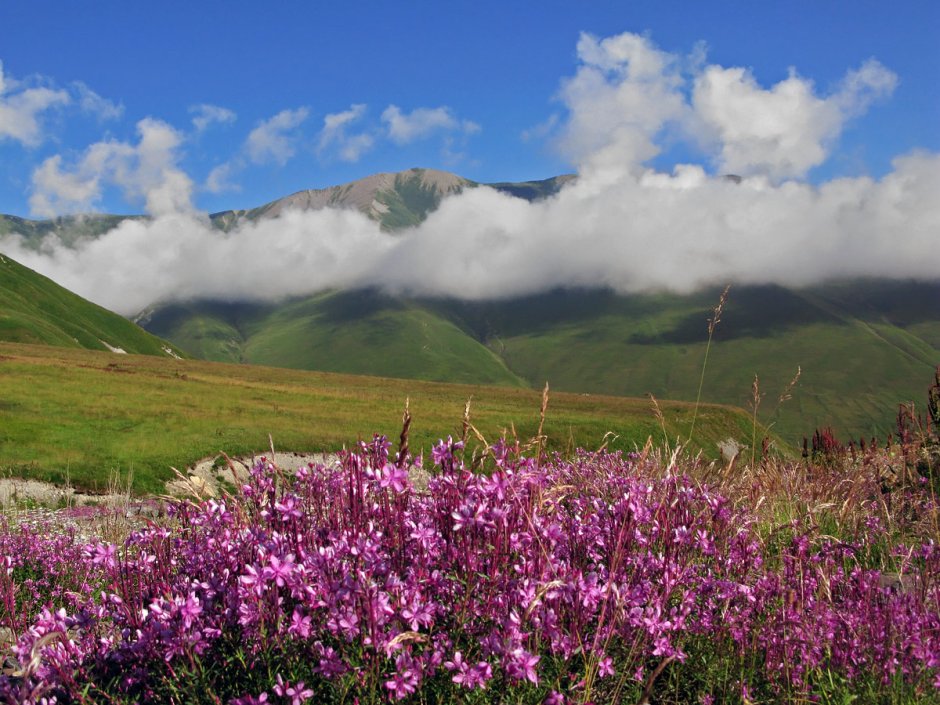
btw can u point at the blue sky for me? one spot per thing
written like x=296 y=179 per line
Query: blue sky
x=487 y=75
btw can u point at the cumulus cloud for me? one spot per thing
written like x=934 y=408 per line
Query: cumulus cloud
x=628 y=96
x=404 y=128
x=274 y=140
x=21 y=110
x=334 y=137
x=180 y=256
x=625 y=93
x=621 y=224
x=862 y=87
x=221 y=177
x=677 y=231
x=206 y=114
x=57 y=191
x=94 y=104
x=784 y=131
x=146 y=172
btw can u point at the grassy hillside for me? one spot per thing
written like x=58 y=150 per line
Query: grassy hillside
x=863 y=347
x=353 y=332
x=80 y=415
x=34 y=309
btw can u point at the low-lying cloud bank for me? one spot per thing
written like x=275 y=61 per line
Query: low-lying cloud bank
x=678 y=232
x=621 y=224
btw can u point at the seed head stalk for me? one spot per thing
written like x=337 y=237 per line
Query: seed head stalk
x=755 y=405
x=712 y=324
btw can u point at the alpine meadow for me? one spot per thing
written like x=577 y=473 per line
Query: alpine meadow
x=487 y=353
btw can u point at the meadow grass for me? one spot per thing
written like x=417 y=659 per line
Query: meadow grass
x=83 y=415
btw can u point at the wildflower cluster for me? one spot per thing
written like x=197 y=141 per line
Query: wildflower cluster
x=593 y=579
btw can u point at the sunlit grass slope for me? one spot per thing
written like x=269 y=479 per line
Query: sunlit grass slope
x=354 y=332
x=34 y=309
x=79 y=415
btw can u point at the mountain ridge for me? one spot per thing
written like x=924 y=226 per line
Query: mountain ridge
x=394 y=199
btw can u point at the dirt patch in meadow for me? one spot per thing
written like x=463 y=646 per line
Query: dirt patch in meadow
x=17 y=492
x=209 y=476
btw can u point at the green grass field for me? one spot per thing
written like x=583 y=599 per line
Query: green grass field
x=79 y=416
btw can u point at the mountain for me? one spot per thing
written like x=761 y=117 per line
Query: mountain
x=360 y=332
x=863 y=346
x=69 y=229
x=394 y=200
x=34 y=309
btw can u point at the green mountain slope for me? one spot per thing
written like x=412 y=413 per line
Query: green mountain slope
x=862 y=347
x=34 y=309
x=353 y=332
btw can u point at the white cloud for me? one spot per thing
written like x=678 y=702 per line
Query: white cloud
x=862 y=87
x=220 y=178
x=146 y=172
x=92 y=103
x=621 y=224
x=206 y=114
x=21 y=110
x=274 y=139
x=784 y=131
x=678 y=231
x=624 y=94
x=628 y=97
x=57 y=191
x=334 y=136
x=542 y=129
x=404 y=128
x=180 y=256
